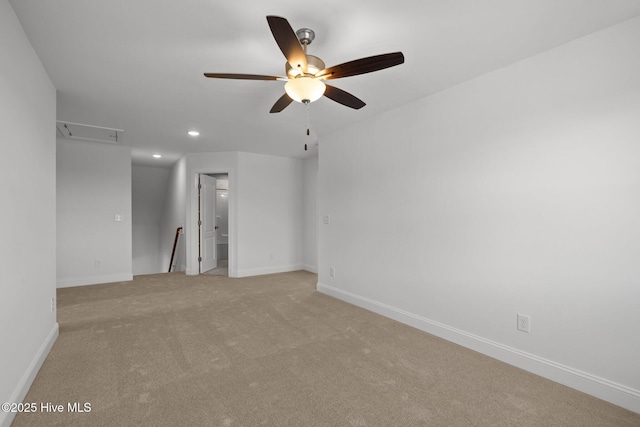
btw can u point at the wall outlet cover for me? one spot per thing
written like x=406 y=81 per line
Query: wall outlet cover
x=524 y=323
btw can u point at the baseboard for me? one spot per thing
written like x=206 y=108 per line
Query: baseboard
x=310 y=268
x=601 y=388
x=247 y=272
x=20 y=392
x=93 y=280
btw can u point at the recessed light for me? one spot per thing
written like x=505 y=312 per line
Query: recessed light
x=193 y=133
x=157 y=156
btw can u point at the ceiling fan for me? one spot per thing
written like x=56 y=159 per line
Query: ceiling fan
x=305 y=74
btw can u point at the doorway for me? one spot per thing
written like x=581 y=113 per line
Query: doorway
x=213 y=202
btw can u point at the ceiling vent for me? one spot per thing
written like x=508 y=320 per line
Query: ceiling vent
x=89 y=133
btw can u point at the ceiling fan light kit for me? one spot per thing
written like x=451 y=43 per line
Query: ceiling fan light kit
x=305 y=89
x=306 y=73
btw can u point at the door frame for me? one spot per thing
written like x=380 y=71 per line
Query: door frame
x=192 y=217
x=203 y=221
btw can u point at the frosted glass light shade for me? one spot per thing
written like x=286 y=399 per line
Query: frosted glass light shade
x=304 y=88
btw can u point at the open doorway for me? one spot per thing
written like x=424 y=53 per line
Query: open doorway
x=214 y=224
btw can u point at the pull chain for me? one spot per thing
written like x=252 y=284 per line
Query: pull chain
x=308 y=125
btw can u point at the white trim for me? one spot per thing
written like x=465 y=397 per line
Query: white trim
x=595 y=386
x=93 y=280
x=190 y=229
x=247 y=272
x=20 y=392
x=310 y=268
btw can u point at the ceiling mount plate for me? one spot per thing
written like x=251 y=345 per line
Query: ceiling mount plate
x=305 y=35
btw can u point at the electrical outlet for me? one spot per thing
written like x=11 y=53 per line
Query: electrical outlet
x=326 y=219
x=97 y=263
x=332 y=271
x=524 y=323
x=53 y=305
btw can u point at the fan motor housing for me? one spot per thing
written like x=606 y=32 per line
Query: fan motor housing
x=314 y=64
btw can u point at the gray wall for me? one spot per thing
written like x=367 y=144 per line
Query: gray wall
x=173 y=216
x=148 y=187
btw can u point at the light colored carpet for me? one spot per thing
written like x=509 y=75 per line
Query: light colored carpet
x=177 y=350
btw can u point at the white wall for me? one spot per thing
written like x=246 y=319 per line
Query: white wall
x=310 y=217
x=270 y=214
x=222 y=217
x=516 y=192
x=197 y=163
x=93 y=185
x=173 y=216
x=148 y=187
x=265 y=211
x=27 y=213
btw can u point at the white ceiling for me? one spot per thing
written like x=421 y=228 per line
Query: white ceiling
x=138 y=65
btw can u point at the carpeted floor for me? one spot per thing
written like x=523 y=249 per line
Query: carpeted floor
x=177 y=350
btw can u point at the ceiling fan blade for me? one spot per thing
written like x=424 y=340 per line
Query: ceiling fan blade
x=288 y=42
x=243 y=76
x=281 y=104
x=362 y=66
x=342 y=97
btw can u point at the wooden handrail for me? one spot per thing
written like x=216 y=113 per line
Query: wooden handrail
x=175 y=243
